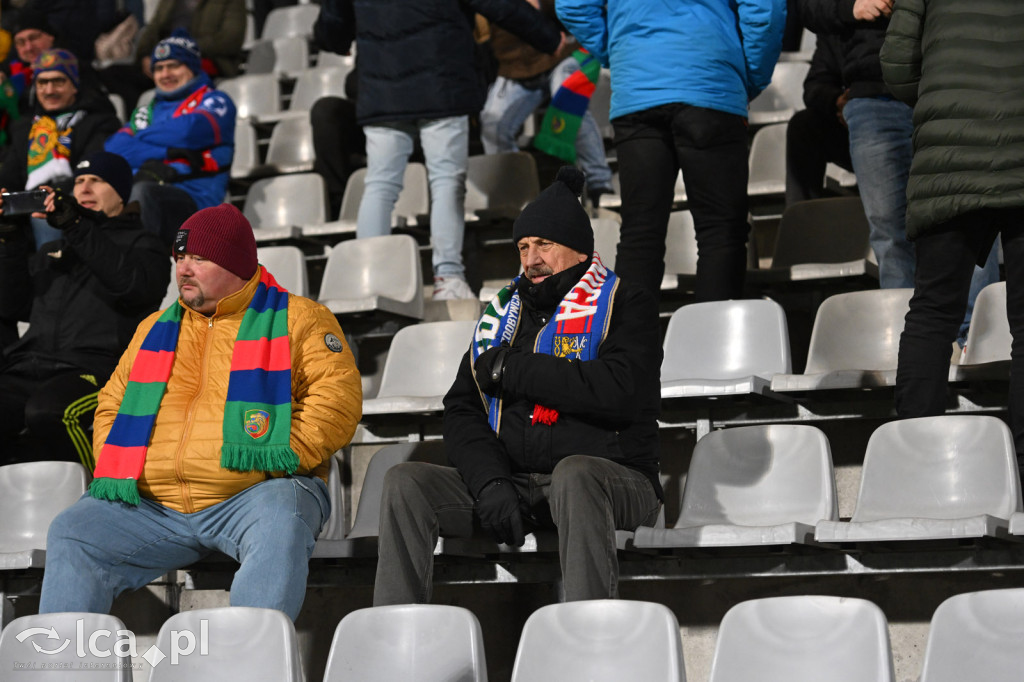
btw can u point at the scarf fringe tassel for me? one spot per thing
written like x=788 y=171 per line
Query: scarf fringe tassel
x=116 y=490
x=240 y=457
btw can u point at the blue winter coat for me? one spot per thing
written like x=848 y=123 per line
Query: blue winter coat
x=717 y=54
x=190 y=117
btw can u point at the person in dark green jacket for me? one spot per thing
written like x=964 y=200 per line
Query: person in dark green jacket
x=961 y=66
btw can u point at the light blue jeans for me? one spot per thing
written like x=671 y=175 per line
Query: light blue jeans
x=42 y=232
x=509 y=103
x=445 y=143
x=97 y=549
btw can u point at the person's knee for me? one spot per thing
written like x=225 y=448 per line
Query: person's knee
x=403 y=485
x=573 y=475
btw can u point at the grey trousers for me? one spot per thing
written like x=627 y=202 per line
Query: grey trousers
x=588 y=499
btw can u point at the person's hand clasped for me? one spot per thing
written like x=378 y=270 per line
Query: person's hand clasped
x=498 y=509
x=490 y=368
x=870 y=10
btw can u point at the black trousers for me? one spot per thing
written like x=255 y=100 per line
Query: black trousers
x=813 y=140
x=710 y=147
x=339 y=144
x=46 y=412
x=945 y=263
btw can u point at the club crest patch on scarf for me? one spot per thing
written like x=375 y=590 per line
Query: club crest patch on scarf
x=256 y=423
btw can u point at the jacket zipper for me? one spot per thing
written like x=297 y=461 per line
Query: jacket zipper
x=186 y=498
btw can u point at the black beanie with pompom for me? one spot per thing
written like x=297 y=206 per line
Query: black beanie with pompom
x=557 y=215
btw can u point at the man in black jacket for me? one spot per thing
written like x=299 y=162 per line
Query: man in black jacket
x=552 y=418
x=83 y=295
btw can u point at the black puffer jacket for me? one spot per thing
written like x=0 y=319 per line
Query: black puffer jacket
x=85 y=294
x=860 y=42
x=416 y=59
x=607 y=407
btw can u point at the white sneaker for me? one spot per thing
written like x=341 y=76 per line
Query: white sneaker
x=450 y=288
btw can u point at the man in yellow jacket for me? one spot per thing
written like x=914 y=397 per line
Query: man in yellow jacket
x=214 y=433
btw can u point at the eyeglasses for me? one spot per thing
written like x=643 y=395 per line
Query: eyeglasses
x=56 y=81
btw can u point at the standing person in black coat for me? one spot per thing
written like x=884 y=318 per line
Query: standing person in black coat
x=417 y=79
x=83 y=295
x=552 y=418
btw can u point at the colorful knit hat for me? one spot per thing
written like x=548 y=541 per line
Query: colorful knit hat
x=113 y=169
x=181 y=47
x=57 y=60
x=220 y=234
x=556 y=214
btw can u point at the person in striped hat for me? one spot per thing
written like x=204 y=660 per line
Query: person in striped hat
x=214 y=433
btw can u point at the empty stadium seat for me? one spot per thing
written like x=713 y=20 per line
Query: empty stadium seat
x=803 y=639
x=374 y=275
x=271 y=206
x=294 y=20
x=499 y=185
x=412 y=643
x=724 y=348
x=783 y=97
x=31 y=495
x=288 y=266
x=854 y=342
x=244 y=643
x=291 y=146
x=987 y=353
x=413 y=202
x=603 y=640
x=311 y=85
x=254 y=96
x=287 y=55
x=933 y=478
x=46 y=648
x=976 y=636
x=600 y=104
x=247 y=151
x=680 y=246
x=767 y=161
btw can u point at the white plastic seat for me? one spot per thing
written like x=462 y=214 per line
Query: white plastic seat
x=31 y=495
x=854 y=342
x=413 y=201
x=783 y=97
x=311 y=85
x=286 y=55
x=987 y=353
x=288 y=266
x=601 y=102
x=724 y=348
x=606 y=239
x=933 y=478
x=603 y=640
x=374 y=274
x=278 y=207
x=500 y=185
x=680 y=245
x=36 y=657
x=293 y=20
x=803 y=639
x=247 y=151
x=329 y=59
x=145 y=97
x=291 y=146
x=244 y=643
x=767 y=161
x=411 y=643
x=408 y=384
x=753 y=485
x=254 y=95
x=977 y=636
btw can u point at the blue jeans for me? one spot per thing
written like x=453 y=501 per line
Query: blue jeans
x=881 y=149
x=510 y=102
x=445 y=143
x=97 y=549
x=43 y=233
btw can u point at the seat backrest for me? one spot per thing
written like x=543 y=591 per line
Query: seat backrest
x=726 y=340
x=832 y=230
x=858 y=330
x=768 y=154
x=271 y=202
x=786 y=90
x=145 y=97
x=31 y=495
x=989 y=339
x=600 y=104
x=247 y=151
x=606 y=239
x=241 y=643
x=294 y=20
x=443 y=343
x=312 y=84
x=761 y=475
x=680 y=244
x=388 y=266
x=367 y=520
x=803 y=639
x=413 y=200
x=946 y=467
x=288 y=266
x=977 y=636
x=278 y=55
x=254 y=95
x=603 y=640
x=50 y=645
x=414 y=642
x=291 y=144
x=501 y=181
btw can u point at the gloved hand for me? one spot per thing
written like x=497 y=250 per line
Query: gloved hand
x=155 y=170
x=193 y=157
x=490 y=368
x=498 y=509
x=66 y=210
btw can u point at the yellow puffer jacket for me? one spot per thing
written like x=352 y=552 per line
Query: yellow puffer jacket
x=182 y=469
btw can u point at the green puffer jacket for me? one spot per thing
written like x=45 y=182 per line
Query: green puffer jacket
x=961 y=66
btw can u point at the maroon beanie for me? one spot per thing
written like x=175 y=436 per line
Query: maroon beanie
x=221 y=234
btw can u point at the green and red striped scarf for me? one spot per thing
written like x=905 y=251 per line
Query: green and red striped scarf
x=257 y=414
x=562 y=120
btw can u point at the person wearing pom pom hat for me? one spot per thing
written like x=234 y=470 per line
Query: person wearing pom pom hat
x=551 y=421
x=214 y=433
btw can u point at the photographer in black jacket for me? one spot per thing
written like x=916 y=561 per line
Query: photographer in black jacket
x=551 y=420
x=83 y=295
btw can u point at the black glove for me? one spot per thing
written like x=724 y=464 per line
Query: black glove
x=498 y=509
x=193 y=157
x=490 y=368
x=155 y=170
x=66 y=210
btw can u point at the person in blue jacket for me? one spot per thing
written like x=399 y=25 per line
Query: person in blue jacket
x=180 y=144
x=682 y=75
